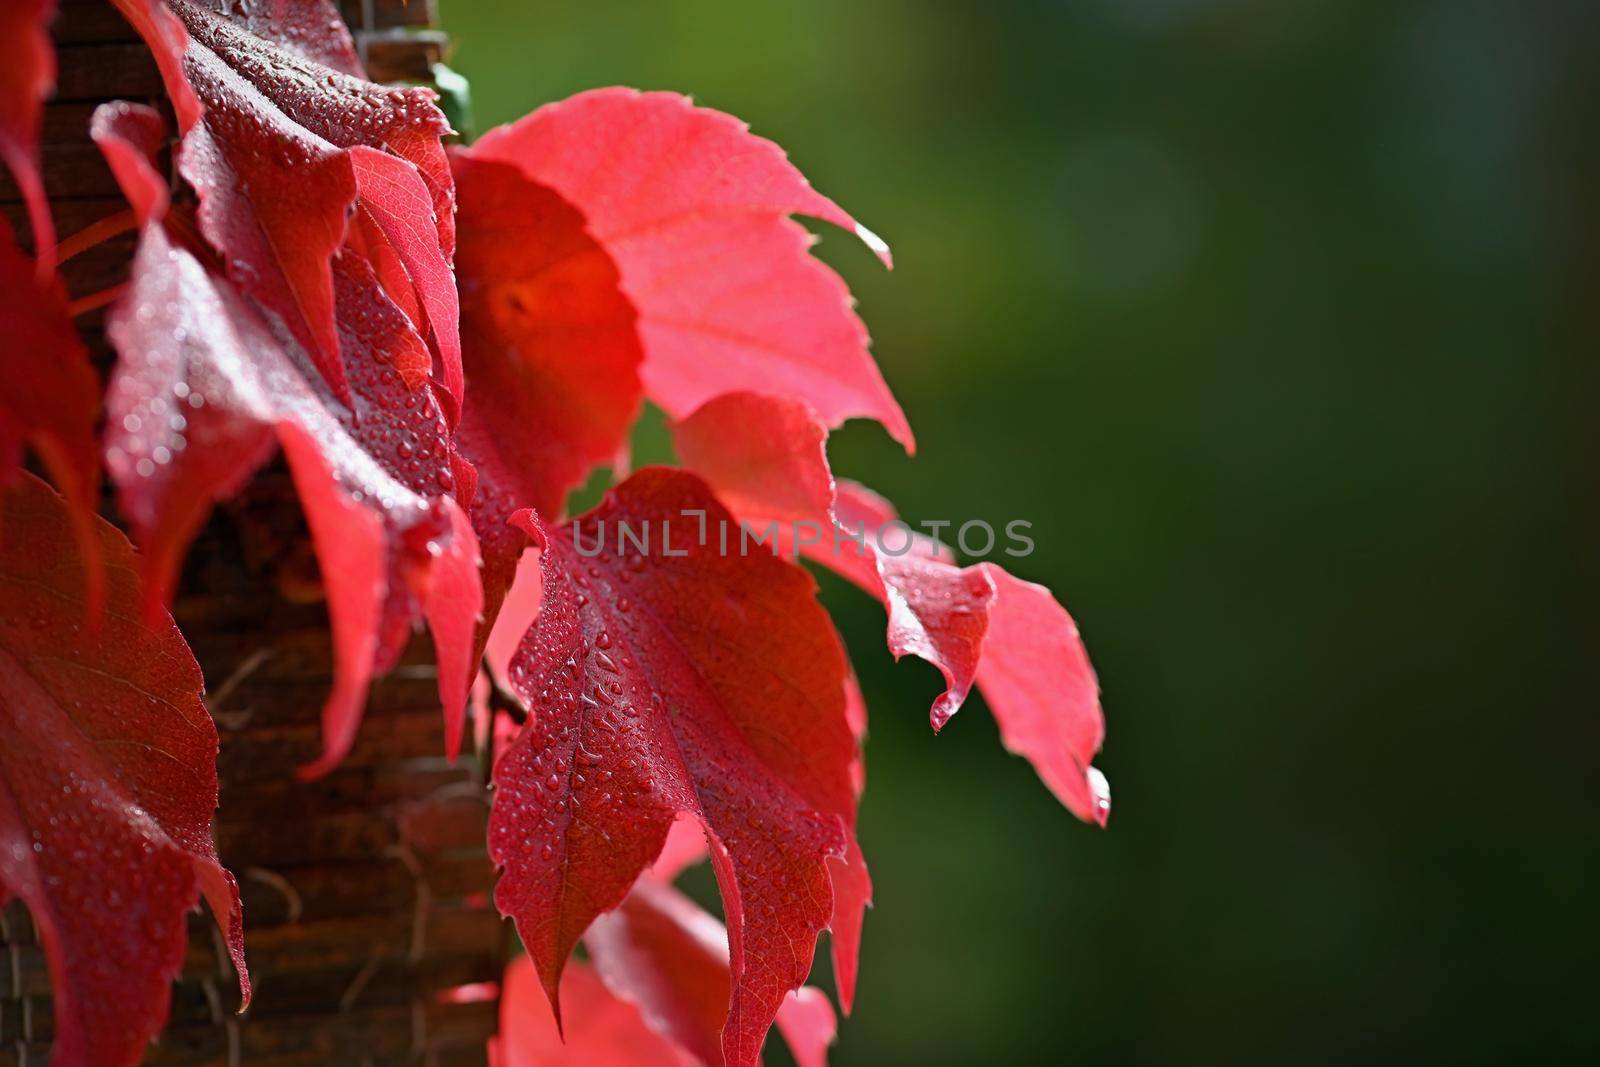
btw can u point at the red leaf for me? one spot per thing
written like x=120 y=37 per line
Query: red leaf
x=453 y=605
x=26 y=78
x=852 y=896
x=1037 y=679
x=549 y=340
x=267 y=140
x=130 y=136
x=601 y=1030
x=685 y=847
x=661 y=683
x=852 y=887
x=664 y=953
x=203 y=389
x=107 y=785
x=49 y=396
x=344 y=109
x=693 y=210
x=312 y=28
x=973 y=623
x=394 y=215
x=549 y=343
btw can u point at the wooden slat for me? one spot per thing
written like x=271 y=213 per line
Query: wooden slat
x=402 y=55
x=90 y=22
x=388 y=14
x=125 y=71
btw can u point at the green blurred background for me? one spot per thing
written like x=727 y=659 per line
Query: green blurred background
x=1271 y=317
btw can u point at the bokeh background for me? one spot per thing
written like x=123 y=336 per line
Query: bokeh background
x=1276 y=318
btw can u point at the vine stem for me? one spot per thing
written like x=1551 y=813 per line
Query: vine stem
x=86 y=304
x=94 y=234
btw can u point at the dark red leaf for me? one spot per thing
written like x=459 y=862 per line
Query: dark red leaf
x=26 y=78
x=107 y=785
x=852 y=886
x=694 y=211
x=973 y=623
x=49 y=395
x=395 y=219
x=660 y=683
x=338 y=105
x=204 y=389
x=267 y=139
x=664 y=953
x=312 y=28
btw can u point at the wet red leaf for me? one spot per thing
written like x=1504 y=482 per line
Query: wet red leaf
x=26 y=79
x=204 y=389
x=269 y=140
x=666 y=954
x=694 y=212
x=49 y=394
x=312 y=28
x=107 y=785
x=975 y=624
x=701 y=682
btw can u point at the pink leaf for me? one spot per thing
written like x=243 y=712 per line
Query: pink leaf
x=107 y=785
x=1037 y=680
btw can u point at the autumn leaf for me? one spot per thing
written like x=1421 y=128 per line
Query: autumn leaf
x=107 y=785
x=694 y=211
x=663 y=952
x=49 y=396
x=204 y=390
x=678 y=679
x=600 y=1028
x=313 y=28
x=26 y=78
x=619 y=245
x=975 y=624
x=281 y=149
x=550 y=346
x=852 y=885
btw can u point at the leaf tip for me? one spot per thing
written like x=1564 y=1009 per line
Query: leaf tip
x=1099 y=796
x=878 y=245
